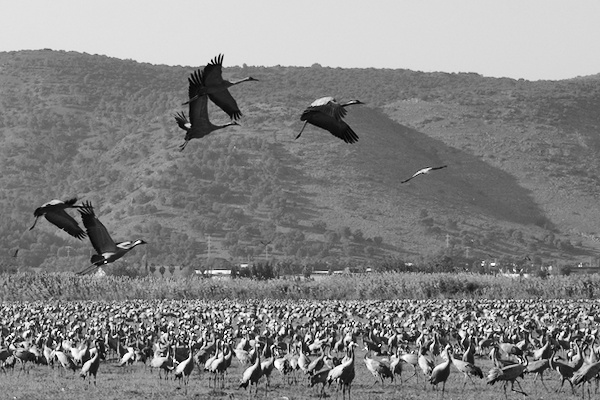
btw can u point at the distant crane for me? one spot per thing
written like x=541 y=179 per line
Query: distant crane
x=216 y=87
x=55 y=213
x=199 y=125
x=107 y=250
x=425 y=170
x=327 y=113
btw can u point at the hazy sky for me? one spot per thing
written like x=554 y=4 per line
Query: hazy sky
x=530 y=39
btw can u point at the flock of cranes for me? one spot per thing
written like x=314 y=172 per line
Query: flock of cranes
x=293 y=345
x=205 y=84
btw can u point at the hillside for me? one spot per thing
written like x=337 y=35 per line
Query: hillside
x=521 y=178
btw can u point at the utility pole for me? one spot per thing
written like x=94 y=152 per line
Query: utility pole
x=447 y=240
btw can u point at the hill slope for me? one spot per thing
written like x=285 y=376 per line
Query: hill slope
x=521 y=156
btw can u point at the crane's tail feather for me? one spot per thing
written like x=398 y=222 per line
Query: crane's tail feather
x=302 y=130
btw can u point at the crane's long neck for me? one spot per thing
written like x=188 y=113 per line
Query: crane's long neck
x=246 y=79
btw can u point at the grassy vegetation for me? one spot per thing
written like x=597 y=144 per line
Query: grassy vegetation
x=68 y=287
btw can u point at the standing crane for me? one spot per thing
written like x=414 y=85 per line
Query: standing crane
x=538 y=367
x=585 y=374
x=54 y=212
x=106 y=248
x=216 y=87
x=162 y=362
x=565 y=370
x=441 y=372
x=198 y=125
x=253 y=373
x=468 y=369
x=423 y=171
x=344 y=373
x=510 y=373
x=327 y=113
x=184 y=369
x=90 y=367
x=425 y=363
x=378 y=369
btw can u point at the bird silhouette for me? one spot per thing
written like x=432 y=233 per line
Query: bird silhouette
x=106 y=248
x=199 y=125
x=423 y=171
x=216 y=87
x=327 y=113
x=55 y=213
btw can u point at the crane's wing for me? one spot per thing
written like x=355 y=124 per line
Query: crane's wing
x=227 y=103
x=64 y=221
x=329 y=106
x=99 y=237
x=199 y=111
x=336 y=127
x=212 y=75
x=198 y=108
x=195 y=84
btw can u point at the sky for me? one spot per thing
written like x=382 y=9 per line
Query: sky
x=529 y=39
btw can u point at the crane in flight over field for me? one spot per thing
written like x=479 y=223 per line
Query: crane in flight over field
x=199 y=125
x=106 y=248
x=423 y=171
x=55 y=213
x=328 y=114
x=216 y=87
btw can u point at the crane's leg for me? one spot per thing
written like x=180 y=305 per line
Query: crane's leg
x=301 y=130
x=36 y=218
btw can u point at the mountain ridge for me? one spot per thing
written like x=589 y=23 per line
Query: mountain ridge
x=103 y=128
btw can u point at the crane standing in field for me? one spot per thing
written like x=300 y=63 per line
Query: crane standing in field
x=327 y=113
x=199 y=125
x=216 y=88
x=184 y=369
x=378 y=369
x=510 y=373
x=107 y=250
x=253 y=373
x=90 y=367
x=344 y=373
x=54 y=212
x=468 y=369
x=441 y=372
x=585 y=374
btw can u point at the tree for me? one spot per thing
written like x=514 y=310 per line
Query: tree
x=172 y=269
x=162 y=270
x=307 y=271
